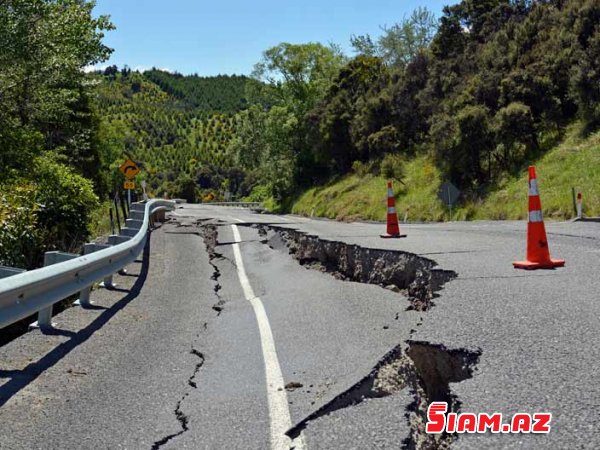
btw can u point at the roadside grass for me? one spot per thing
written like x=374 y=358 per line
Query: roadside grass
x=357 y=197
x=575 y=162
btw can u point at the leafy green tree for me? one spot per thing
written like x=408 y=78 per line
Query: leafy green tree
x=400 y=43
x=44 y=46
x=514 y=125
x=337 y=113
x=300 y=72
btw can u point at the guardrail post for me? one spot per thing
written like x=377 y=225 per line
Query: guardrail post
x=84 y=295
x=134 y=223
x=114 y=239
x=137 y=207
x=45 y=315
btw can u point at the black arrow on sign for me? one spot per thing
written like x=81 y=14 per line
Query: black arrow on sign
x=134 y=168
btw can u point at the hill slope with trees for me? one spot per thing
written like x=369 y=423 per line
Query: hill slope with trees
x=488 y=89
x=472 y=97
x=178 y=129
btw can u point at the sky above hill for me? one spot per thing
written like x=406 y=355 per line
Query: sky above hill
x=227 y=37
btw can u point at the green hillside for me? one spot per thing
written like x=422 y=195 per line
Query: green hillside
x=362 y=196
x=179 y=141
x=358 y=196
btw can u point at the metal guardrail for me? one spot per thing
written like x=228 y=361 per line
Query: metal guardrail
x=257 y=205
x=36 y=291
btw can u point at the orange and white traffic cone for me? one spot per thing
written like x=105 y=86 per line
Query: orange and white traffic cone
x=538 y=254
x=393 y=228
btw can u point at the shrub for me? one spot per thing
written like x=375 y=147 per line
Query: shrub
x=259 y=193
x=50 y=212
x=19 y=237
x=369 y=168
x=392 y=167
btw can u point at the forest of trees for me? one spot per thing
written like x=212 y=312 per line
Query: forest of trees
x=223 y=93
x=483 y=90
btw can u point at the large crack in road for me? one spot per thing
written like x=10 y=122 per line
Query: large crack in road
x=426 y=369
x=417 y=277
x=210 y=235
x=210 y=239
x=181 y=417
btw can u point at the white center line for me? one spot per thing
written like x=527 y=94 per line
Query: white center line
x=279 y=412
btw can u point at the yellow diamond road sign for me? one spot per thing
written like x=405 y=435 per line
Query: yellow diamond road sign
x=129 y=185
x=129 y=169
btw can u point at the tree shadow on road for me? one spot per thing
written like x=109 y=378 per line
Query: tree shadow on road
x=19 y=379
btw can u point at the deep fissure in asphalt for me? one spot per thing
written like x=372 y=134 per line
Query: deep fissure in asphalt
x=417 y=277
x=181 y=417
x=424 y=368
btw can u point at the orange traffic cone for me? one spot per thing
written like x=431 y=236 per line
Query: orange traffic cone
x=393 y=229
x=538 y=254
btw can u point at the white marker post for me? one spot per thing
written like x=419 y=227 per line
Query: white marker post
x=579 y=205
x=143 y=183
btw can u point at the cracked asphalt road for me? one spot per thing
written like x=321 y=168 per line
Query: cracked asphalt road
x=129 y=374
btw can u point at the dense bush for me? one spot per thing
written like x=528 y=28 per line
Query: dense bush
x=20 y=239
x=51 y=212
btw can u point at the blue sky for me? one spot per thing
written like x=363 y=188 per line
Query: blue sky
x=220 y=36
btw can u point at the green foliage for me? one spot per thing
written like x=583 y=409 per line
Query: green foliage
x=50 y=212
x=44 y=44
x=337 y=114
x=259 y=193
x=573 y=163
x=401 y=43
x=363 y=196
x=66 y=201
x=362 y=169
x=275 y=139
x=300 y=73
x=392 y=167
x=497 y=75
x=19 y=237
x=50 y=155
x=183 y=149
x=223 y=93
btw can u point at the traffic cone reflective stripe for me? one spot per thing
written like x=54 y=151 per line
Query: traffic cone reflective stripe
x=535 y=216
x=393 y=228
x=538 y=253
